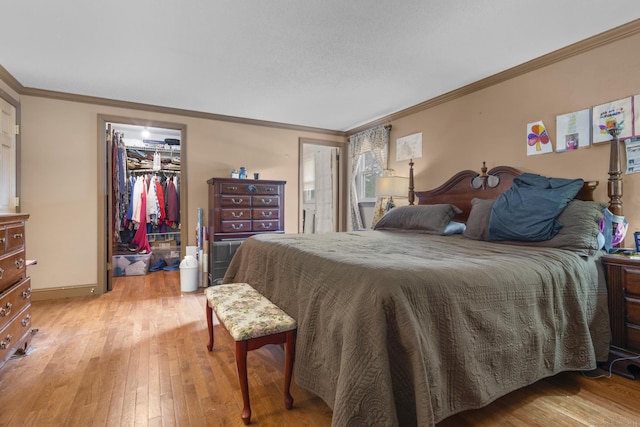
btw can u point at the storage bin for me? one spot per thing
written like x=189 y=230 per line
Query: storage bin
x=130 y=265
x=168 y=254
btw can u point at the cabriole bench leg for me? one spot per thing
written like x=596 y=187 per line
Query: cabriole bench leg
x=241 y=362
x=290 y=354
x=210 y=326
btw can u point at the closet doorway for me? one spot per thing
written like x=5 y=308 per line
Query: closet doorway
x=145 y=197
x=319 y=186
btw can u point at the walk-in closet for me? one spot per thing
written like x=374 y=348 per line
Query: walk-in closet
x=145 y=199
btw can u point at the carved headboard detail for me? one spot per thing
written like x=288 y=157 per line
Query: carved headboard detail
x=466 y=185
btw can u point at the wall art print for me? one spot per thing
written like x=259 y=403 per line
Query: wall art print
x=622 y=109
x=573 y=131
x=538 y=141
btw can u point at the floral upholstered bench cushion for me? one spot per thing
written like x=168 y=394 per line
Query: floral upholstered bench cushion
x=246 y=313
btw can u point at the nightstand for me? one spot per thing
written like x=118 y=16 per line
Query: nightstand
x=623 y=284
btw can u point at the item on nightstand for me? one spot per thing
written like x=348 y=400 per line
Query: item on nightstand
x=234 y=174
x=636 y=238
x=243 y=172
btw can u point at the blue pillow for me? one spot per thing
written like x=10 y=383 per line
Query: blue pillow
x=528 y=210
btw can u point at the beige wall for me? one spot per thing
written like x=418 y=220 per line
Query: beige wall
x=60 y=180
x=490 y=125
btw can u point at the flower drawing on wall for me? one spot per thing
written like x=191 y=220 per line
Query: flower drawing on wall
x=538 y=141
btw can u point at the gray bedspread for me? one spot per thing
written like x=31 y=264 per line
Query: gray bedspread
x=408 y=329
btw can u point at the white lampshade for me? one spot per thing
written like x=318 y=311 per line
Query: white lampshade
x=392 y=186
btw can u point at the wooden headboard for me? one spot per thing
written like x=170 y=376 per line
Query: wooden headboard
x=466 y=185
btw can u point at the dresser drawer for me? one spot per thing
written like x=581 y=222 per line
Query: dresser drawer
x=15 y=237
x=12 y=267
x=633 y=337
x=13 y=335
x=268 y=189
x=632 y=309
x=3 y=239
x=235 y=201
x=265 y=213
x=14 y=300
x=631 y=281
x=235 y=226
x=266 y=225
x=265 y=201
x=235 y=214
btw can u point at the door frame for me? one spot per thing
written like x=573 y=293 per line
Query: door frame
x=104 y=168
x=340 y=212
x=16 y=155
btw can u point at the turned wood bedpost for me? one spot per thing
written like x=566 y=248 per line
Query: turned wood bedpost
x=614 y=189
x=412 y=195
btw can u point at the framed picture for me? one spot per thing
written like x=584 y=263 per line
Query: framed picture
x=623 y=112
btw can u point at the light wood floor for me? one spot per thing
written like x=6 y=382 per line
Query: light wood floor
x=137 y=357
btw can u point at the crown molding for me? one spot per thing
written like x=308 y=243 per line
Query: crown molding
x=64 y=96
x=594 y=42
x=6 y=77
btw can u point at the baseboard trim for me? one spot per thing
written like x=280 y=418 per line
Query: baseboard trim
x=66 y=292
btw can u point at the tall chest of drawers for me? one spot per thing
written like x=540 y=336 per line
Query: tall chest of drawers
x=240 y=208
x=15 y=287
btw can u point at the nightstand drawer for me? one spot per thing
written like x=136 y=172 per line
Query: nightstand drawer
x=631 y=281
x=633 y=337
x=632 y=311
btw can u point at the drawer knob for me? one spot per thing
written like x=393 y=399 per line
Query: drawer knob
x=1 y=273
x=26 y=320
x=252 y=189
x=5 y=344
x=2 y=240
x=6 y=310
x=17 y=236
x=237 y=215
x=237 y=202
x=271 y=189
x=237 y=226
x=232 y=188
x=19 y=263
x=266 y=225
x=26 y=294
x=266 y=214
x=266 y=201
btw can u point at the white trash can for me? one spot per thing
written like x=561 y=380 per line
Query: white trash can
x=189 y=274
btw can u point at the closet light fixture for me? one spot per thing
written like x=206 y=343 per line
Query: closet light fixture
x=145 y=133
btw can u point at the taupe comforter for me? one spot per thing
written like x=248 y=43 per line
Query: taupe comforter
x=407 y=329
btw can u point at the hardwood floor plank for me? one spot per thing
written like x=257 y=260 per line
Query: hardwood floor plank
x=137 y=356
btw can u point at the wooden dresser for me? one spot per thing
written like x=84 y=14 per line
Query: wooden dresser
x=623 y=285
x=240 y=208
x=15 y=287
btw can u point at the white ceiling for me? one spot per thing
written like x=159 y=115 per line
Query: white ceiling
x=331 y=64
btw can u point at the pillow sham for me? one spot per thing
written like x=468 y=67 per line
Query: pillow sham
x=478 y=221
x=528 y=210
x=431 y=219
x=580 y=220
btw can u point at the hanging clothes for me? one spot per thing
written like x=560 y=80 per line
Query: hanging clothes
x=140 y=239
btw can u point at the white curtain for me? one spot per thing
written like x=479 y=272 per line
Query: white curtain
x=375 y=140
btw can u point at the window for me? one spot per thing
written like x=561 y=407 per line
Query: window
x=368 y=171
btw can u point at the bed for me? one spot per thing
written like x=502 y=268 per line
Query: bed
x=405 y=327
